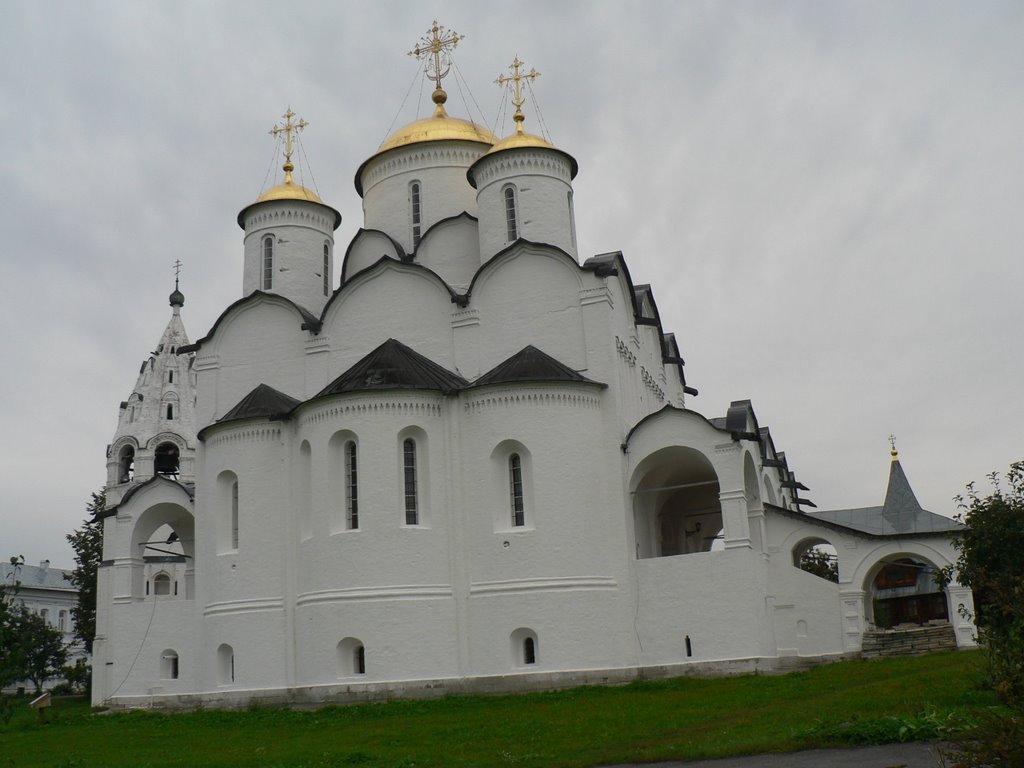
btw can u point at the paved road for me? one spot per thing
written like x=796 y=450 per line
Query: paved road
x=915 y=755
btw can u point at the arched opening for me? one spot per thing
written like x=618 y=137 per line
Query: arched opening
x=162 y=584
x=769 y=492
x=304 y=502
x=902 y=590
x=343 y=476
x=351 y=657
x=817 y=556
x=225 y=664
x=126 y=464
x=169 y=665
x=165 y=461
x=524 y=646
x=164 y=541
x=675 y=504
x=515 y=489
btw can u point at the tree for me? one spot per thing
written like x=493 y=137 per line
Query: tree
x=991 y=563
x=87 y=541
x=11 y=663
x=820 y=563
x=30 y=649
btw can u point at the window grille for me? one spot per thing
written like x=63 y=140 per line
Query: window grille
x=412 y=516
x=268 y=262
x=415 y=210
x=351 y=486
x=515 y=483
x=511 y=229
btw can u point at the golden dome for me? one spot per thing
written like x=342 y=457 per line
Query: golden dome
x=289 y=191
x=438 y=127
x=517 y=140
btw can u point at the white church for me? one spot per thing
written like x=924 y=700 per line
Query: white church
x=467 y=463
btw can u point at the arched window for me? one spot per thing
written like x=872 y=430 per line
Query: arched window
x=351 y=486
x=525 y=648
x=170 y=411
x=166 y=459
x=169 y=665
x=62 y=621
x=162 y=584
x=412 y=515
x=515 y=487
x=268 y=262
x=415 y=212
x=327 y=269
x=225 y=664
x=511 y=228
x=126 y=464
x=351 y=657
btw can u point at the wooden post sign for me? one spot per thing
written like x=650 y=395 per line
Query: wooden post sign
x=41 y=703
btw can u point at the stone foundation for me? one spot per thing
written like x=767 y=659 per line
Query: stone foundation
x=909 y=640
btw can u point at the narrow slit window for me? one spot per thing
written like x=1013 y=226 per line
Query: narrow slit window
x=412 y=514
x=170 y=411
x=170 y=376
x=351 y=486
x=512 y=230
x=515 y=485
x=529 y=651
x=359 y=660
x=234 y=515
x=572 y=218
x=327 y=269
x=416 y=212
x=268 y=262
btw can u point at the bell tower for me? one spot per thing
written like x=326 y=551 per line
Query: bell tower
x=156 y=431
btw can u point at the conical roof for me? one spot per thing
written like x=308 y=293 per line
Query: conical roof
x=263 y=401
x=530 y=364
x=393 y=365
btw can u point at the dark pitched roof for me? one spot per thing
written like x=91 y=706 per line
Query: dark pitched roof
x=393 y=365
x=262 y=401
x=900 y=514
x=530 y=364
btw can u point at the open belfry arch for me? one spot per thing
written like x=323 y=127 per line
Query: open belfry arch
x=463 y=456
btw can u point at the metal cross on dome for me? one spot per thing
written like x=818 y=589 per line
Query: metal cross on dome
x=435 y=47
x=287 y=129
x=516 y=81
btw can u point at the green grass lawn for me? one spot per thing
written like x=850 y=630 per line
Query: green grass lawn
x=856 y=702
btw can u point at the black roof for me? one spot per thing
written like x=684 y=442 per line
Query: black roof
x=265 y=401
x=393 y=365
x=530 y=364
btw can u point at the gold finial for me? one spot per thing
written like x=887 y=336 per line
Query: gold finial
x=287 y=129
x=517 y=89
x=892 y=444
x=435 y=48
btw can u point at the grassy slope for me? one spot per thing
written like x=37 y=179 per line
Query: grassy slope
x=849 y=702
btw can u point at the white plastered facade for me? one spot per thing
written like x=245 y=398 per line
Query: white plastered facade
x=574 y=521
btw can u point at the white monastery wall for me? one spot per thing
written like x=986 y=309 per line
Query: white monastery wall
x=366 y=249
x=259 y=342
x=394 y=301
x=536 y=292
x=806 y=611
x=452 y=250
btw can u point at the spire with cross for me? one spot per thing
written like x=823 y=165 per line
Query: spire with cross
x=288 y=129
x=435 y=49
x=515 y=84
x=892 y=447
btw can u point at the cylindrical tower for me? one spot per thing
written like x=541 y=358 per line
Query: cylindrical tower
x=289 y=238
x=524 y=186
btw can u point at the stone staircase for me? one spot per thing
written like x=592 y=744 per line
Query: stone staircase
x=909 y=640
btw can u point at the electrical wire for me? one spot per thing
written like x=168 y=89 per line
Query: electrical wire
x=137 y=653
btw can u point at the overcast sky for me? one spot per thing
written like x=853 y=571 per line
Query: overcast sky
x=825 y=196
